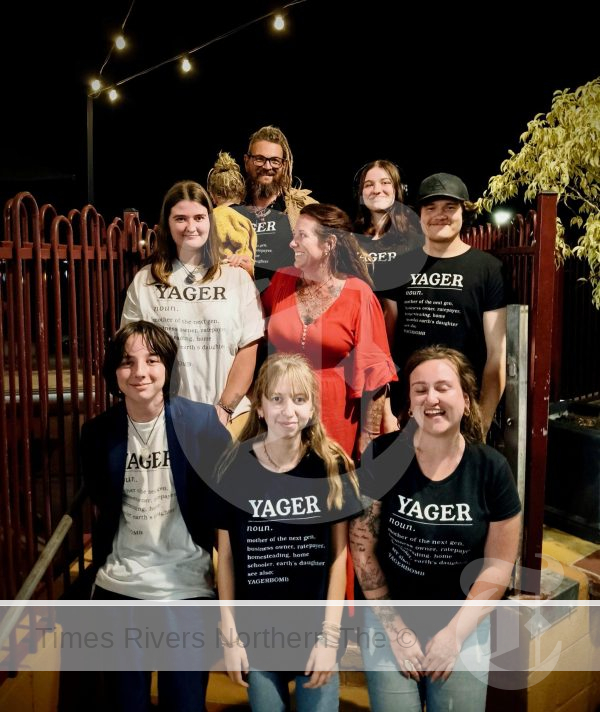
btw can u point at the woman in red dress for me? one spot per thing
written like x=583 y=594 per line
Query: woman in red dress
x=324 y=308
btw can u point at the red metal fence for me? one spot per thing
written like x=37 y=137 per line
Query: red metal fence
x=62 y=280
x=526 y=247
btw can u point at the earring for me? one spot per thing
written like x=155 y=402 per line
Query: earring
x=410 y=413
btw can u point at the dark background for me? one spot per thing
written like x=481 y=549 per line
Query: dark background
x=433 y=89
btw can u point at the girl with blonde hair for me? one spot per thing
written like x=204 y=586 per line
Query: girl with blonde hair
x=284 y=456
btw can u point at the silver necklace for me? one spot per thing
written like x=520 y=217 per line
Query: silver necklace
x=145 y=451
x=270 y=459
x=261 y=213
x=191 y=276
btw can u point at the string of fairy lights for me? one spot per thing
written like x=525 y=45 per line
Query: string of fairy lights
x=98 y=87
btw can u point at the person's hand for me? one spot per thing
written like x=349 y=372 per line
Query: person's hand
x=408 y=653
x=389 y=422
x=223 y=416
x=440 y=655
x=321 y=665
x=239 y=261
x=236 y=662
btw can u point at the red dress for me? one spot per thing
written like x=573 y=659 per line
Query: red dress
x=347 y=346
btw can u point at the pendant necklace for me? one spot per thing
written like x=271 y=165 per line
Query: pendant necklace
x=145 y=451
x=270 y=459
x=261 y=213
x=306 y=298
x=191 y=276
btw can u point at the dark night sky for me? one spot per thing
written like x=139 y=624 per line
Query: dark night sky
x=432 y=89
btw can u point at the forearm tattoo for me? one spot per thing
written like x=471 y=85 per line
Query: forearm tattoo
x=364 y=532
x=373 y=412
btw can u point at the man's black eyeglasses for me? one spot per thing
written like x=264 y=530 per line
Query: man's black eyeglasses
x=275 y=161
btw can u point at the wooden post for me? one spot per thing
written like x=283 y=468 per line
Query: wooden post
x=540 y=362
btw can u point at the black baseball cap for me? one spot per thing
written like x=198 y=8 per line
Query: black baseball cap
x=443 y=185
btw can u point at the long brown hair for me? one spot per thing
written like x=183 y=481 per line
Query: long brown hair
x=165 y=251
x=298 y=370
x=346 y=257
x=471 y=425
x=396 y=215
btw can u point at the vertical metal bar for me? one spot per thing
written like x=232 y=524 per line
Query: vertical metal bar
x=40 y=318
x=515 y=433
x=14 y=564
x=88 y=389
x=22 y=339
x=6 y=541
x=59 y=376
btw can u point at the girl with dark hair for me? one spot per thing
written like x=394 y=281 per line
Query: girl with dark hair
x=143 y=462
x=284 y=456
x=389 y=232
x=324 y=308
x=386 y=228
x=440 y=522
x=212 y=311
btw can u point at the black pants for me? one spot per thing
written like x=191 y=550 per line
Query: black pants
x=129 y=690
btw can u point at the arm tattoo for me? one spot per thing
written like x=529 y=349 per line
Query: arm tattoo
x=373 y=411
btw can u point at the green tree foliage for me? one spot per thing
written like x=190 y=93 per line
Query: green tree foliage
x=561 y=153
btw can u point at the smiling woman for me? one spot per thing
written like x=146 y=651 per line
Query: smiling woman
x=286 y=473
x=324 y=308
x=458 y=502
x=212 y=310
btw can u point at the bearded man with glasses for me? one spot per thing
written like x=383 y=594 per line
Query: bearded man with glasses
x=272 y=204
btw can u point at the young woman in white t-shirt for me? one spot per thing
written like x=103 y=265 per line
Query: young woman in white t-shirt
x=212 y=310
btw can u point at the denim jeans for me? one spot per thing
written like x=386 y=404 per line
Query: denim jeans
x=268 y=692
x=390 y=691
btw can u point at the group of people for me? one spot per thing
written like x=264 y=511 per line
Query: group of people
x=278 y=363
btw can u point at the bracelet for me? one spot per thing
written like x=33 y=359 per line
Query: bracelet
x=233 y=643
x=327 y=642
x=330 y=635
x=226 y=408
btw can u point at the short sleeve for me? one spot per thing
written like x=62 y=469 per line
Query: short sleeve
x=496 y=287
x=502 y=498
x=370 y=364
x=282 y=285
x=253 y=323
x=132 y=309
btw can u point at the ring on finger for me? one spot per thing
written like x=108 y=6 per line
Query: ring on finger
x=409 y=666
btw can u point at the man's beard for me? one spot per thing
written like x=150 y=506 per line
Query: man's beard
x=264 y=191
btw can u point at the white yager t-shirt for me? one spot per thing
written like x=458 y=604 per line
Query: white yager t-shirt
x=153 y=554
x=210 y=321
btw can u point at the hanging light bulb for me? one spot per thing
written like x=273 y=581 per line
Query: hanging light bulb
x=186 y=65
x=96 y=85
x=120 y=42
x=278 y=23
x=113 y=95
